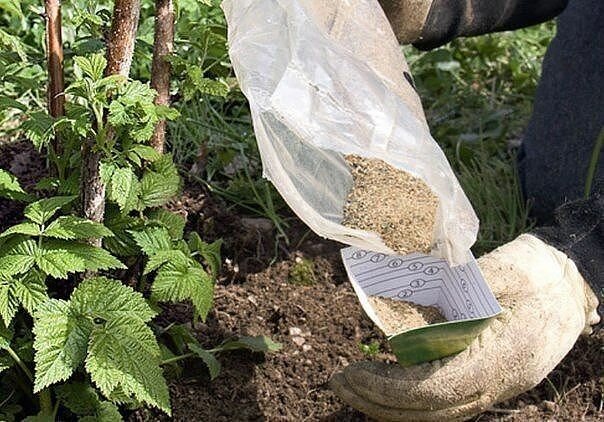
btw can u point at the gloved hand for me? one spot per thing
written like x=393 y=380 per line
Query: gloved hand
x=546 y=306
x=430 y=23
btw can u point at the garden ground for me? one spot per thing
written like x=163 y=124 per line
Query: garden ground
x=321 y=326
x=299 y=295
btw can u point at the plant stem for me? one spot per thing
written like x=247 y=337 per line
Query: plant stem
x=120 y=48
x=177 y=358
x=163 y=45
x=20 y=363
x=25 y=388
x=188 y=355
x=46 y=407
x=120 y=45
x=56 y=83
x=44 y=398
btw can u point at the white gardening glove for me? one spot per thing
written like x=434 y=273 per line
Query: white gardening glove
x=546 y=306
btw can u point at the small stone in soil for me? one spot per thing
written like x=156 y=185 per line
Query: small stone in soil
x=398 y=315
x=399 y=207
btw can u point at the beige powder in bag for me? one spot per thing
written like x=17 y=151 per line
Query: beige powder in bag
x=399 y=207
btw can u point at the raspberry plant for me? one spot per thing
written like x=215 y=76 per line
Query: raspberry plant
x=97 y=253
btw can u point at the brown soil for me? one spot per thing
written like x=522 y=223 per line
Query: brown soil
x=22 y=160
x=399 y=207
x=397 y=316
x=320 y=327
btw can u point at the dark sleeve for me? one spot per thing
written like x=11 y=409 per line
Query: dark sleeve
x=449 y=19
x=578 y=231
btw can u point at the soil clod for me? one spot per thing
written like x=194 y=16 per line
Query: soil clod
x=399 y=315
x=398 y=206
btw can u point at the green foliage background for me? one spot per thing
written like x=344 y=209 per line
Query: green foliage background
x=91 y=340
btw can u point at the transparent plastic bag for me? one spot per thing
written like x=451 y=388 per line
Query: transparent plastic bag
x=325 y=79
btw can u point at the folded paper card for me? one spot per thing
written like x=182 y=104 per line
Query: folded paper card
x=460 y=294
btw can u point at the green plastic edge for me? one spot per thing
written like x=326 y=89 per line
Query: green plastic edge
x=435 y=341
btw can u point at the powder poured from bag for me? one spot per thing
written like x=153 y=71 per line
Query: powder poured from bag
x=399 y=207
x=397 y=315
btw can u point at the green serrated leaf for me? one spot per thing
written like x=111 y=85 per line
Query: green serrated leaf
x=61 y=340
x=79 y=397
x=59 y=258
x=12 y=6
x=73 y=228
x=196 y=83
x=118 y=114
x=122 y=243
x=108 y=412
x=124 y=353
x=41 y=211
x=162 y=257
x=210 y=252
x=92 y=66
x=165 y=165
x=18 y=257
x=39 y=128
x=6 y=336
x=175 y=283
x=146 y=152
x=152 y=240
x=29 y=229
x=10 y=187
x=124 y=188
x=13 y=43
x=109 y=299
x=135 y=159
x=82 y=400
x=112 y=81
x=166 y=112
x=30 y=290
x=7 y=102
x=181 y=336
x=104 y=325
x=175 y=223
x=208 y=358
x=106 y=171
x=255 y=344
x=157 y=189
x=161 y=184
x=9 y=304
x=137 y=92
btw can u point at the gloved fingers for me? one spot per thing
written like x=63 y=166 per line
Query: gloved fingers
x=513 y=354
x=406 y=388
x=529 y=267
x=452 y=412
x=543 y=314
x=441 y=383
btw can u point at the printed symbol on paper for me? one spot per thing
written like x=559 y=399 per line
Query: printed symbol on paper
x=417 y=283
x=472 y=314
x=464 y=285
x=405 y=293
x=359 y=254
x=454 y=313
x=378 y=257
x=395 y=263
x=415 y=266
x=469 y=304
x=431 y=270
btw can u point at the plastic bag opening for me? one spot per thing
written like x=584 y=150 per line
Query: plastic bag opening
x=324 y=80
